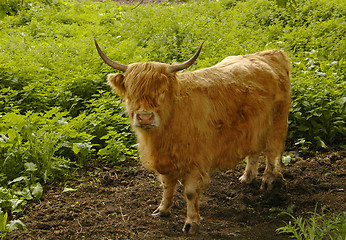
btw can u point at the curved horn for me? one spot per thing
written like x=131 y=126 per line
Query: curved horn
x=188 y=63
x=113 y=64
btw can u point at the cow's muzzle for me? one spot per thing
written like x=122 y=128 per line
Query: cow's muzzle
x=145 y=120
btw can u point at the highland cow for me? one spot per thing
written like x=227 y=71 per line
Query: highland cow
x=192 y=123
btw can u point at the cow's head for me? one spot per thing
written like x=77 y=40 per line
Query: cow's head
x=148 y=89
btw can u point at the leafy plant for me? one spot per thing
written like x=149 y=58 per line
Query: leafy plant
x=43 y=139
x=10 y=7
x=106 y=120
x=34 y=148
x=117 y=148
x=6 y=227
x=290 y=4
x=318 y=112
x=317 y=226
x=286 y=160
x=20 y=190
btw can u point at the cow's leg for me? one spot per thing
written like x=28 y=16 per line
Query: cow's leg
x=194 y=184
x=169 y=184
x=251 y=168
x=275 y=146
x=272 y=171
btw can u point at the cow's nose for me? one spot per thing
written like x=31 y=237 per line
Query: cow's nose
x=145 y=118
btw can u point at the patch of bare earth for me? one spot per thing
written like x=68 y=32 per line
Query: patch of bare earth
x=117 y=204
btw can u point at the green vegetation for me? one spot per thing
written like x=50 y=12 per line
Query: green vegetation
x=57 y=112
x=317 y=226
x=6 y=227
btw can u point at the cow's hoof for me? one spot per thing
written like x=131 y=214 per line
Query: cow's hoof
x=246 y=178
x=158 y=213
x=190 y=228
x=277 y=184
x=266 y=186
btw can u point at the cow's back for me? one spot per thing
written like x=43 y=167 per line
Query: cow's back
x=225 y=112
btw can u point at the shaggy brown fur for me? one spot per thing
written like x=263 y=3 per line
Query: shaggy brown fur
x=209 y=119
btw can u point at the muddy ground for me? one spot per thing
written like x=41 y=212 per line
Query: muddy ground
x=117 y=204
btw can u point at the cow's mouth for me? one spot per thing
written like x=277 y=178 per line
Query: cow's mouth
x=146 y=126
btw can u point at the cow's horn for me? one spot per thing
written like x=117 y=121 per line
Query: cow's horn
x=188 y=63
x=113 y=64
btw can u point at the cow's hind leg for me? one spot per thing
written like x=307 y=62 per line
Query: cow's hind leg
x=275 y=146
x=251 y=168
x=272 y=171
x=194 y=184
x=169 y=184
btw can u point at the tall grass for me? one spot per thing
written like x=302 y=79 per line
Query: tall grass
x=318 y=226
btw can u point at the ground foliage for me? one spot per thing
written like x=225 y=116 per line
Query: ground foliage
x=57 y=112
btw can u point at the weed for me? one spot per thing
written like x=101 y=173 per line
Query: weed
x=7 y=227
x=317 y=227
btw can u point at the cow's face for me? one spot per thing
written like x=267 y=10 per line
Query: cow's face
x=148 y=91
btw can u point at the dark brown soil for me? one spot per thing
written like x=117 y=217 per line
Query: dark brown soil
x=117 y=204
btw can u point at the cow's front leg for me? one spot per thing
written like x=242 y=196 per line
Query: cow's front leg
x=251 y=169
x=169 y=184
x=194 y=183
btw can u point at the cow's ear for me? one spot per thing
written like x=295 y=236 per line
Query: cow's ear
x=116 y=81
